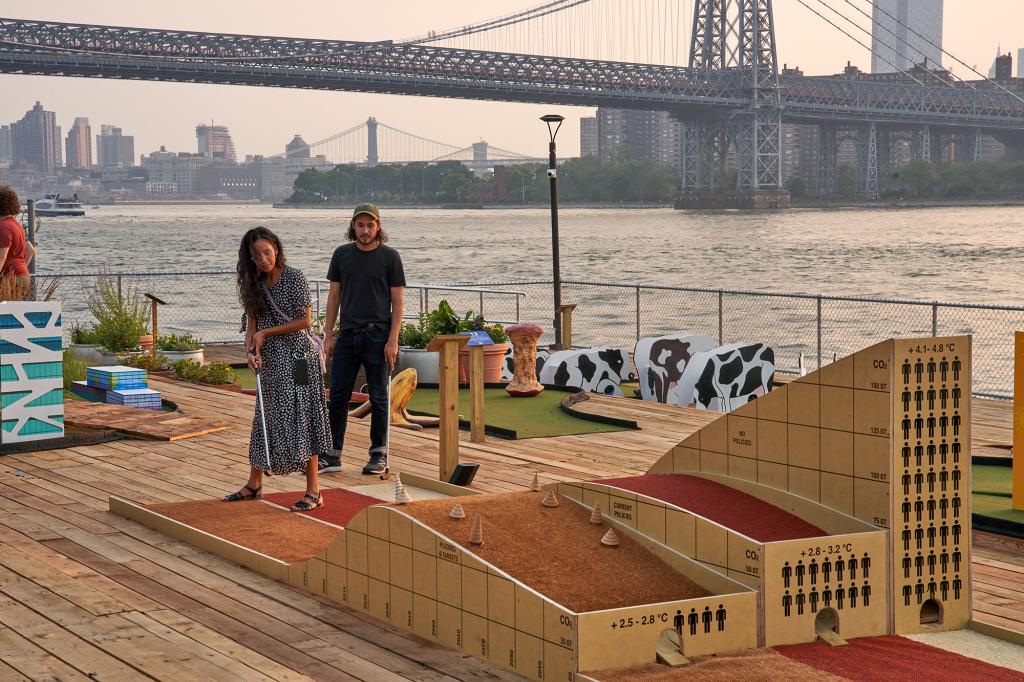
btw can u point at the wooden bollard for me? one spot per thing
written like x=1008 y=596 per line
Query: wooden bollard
x=566 y=322
x=447 y=347
x=476 y=394
x=155 y=302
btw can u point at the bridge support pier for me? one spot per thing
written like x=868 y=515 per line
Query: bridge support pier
x=828 y=160
x=867 y=156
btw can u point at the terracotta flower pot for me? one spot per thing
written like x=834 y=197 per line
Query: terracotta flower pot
x=494 y=359
x=146 y=341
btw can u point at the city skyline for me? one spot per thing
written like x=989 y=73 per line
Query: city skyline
x=261 y=120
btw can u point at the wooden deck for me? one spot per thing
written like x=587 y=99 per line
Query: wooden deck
x=85 y=594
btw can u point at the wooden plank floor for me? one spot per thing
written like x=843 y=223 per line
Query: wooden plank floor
x=85 y=594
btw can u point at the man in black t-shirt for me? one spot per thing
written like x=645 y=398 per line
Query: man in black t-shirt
x=368 y=285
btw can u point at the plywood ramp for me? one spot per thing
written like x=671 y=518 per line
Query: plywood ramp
x=84 y=591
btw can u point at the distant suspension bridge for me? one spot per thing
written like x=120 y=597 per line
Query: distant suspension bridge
x=372 y=142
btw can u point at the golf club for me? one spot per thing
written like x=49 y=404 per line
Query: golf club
x=387 y=431
x=263 y=422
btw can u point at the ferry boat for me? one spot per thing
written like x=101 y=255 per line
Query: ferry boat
x=53 y=205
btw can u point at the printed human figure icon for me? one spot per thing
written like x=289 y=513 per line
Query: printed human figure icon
x=677 y=622
x=865 y=565
x=787 y=602
x=906 y=595
x=812 y=572
x=956 y=368
x=907 y=563
x=692 y=619
x=931 y=369
x=906 y=371
x=812 y=598
x=826 y=597
x=943 y=397
x=865 y=593
x=826 y=568
x=943 y=370
x=799 y=573
x=705 y=618
x=720 y=617
x=918 y=370
x=906 y=399
x=786 y=573
x=800 y=598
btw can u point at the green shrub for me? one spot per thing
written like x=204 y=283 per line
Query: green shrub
x=81 y=333
x=121 y=317
x=215 y=373
x=178 y=342
x=444 y=320
x=146 y=361
x=74 y=369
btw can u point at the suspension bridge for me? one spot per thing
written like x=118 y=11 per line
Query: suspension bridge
x=730 y=92
x=372 y=142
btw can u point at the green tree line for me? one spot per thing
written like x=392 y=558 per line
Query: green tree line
x=924 y=180
x=585 y=180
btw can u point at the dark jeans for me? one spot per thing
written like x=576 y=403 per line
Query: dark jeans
x=352 y=349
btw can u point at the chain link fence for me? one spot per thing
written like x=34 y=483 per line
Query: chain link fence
x=819 y=328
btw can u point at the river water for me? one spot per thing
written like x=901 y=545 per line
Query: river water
x=955 y=255
x=950 y=254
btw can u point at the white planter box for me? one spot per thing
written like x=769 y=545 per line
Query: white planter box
x=175 y=355
x=86 y=352
x=425 y=362
x=31 y=371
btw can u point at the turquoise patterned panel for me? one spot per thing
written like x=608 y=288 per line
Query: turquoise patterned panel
x=54 y=397
x=49 y=342
x=34 y=426
x=9 y=322
x=9 y=424
x=8 y=399
x=58 y=321
x=7 y=373
x=8 y=348
x=39 y=320
x=41 y=370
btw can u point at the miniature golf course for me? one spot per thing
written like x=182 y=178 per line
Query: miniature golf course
x=538 y=417
x=992 y=495
x=557 y=551
x=731 y=508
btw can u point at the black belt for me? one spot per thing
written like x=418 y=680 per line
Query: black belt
x=369 y=328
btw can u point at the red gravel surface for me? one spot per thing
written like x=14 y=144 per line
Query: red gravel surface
x=340 y=505
x=719 y=503
x=873 y=659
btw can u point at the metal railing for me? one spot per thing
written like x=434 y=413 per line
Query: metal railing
x=819 y=327
x=204 y=303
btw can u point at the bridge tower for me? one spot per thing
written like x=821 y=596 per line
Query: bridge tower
x=372 y=158
x=736 y=35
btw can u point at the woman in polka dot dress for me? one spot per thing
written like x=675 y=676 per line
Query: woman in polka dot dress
x=277 y=317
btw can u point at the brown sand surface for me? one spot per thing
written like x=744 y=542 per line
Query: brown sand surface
x=730 y=507
x=259 y=526
x=759 y=665
x=558 y=552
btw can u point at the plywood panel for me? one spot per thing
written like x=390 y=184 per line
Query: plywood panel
x=714 y=463
x=743 y=468
x=424 y=574
x=400 y=529
x=837 y=492
x=651 y=520
x=380 y=599
x=837 y=452
x=838 y=373
x=529 y=611
x=804 y=447
x=622 y=507
x=501 y=600
x=772 y=441
x=424 y=617
x=681 y=532
x=742 y=436
x=377 y=521
x=355 y=544
x=772 y=474
x=402 y=608
x=336 y=552
x=837 y=408
x=474 y=591
x=805 y=483
x=804 y=403
x=378 y=557
x=449 y=583
x=449 y=626
x=474 y=635
x=337 y=579
x=715 y=436
x=400 y=566
x=529 y=656
x=501 y=645
x=711 y=543
x=685 y=459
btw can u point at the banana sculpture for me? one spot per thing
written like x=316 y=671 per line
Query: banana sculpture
x=403 y=385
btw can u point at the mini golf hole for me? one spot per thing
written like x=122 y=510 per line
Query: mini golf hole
x=931 y=613
x=827 y=620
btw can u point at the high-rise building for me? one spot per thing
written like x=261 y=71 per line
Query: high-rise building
x=215 y=143
x=588 y=136
x=906 y=33
x=6 y=145
x=36 y=140
x=1020 y=62
x=114 y=149
x=79 y=145
x=1004 y=67
x=643 y=135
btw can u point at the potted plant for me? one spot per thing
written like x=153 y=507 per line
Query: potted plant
x=122 y=319
x=180 y=347
x=83 y=343
x=217 y=374
x=494 y=354
x=413 y=339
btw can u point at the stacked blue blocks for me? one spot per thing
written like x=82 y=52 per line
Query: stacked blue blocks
x=118 y=385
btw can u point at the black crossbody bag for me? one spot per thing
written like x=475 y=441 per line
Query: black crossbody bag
x=300 y=361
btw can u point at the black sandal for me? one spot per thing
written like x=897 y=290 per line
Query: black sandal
x=238 y=496
x=304 y=506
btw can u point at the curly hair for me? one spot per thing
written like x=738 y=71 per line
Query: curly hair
x=9 y=204
x=382 y=236
x=250 y=277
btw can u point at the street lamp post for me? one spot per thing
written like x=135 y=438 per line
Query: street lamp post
x=556 y=121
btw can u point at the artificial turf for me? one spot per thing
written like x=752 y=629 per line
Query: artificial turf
x=536 y=417
x=992 y=493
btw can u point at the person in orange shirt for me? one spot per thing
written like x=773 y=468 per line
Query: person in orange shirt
x=16 y=252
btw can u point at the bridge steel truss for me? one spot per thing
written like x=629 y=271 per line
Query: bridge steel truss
x=730 y=94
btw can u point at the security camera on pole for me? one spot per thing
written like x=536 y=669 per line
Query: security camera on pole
x=553 y=176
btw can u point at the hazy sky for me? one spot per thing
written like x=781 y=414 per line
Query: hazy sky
x=262 y=120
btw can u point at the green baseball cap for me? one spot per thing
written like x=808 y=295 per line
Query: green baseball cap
x=369 y=209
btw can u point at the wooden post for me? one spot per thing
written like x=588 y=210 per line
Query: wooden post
x=447 y=347
x=566 y=318
x=1017 y=501
x=155 y=302
x=476 y=394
